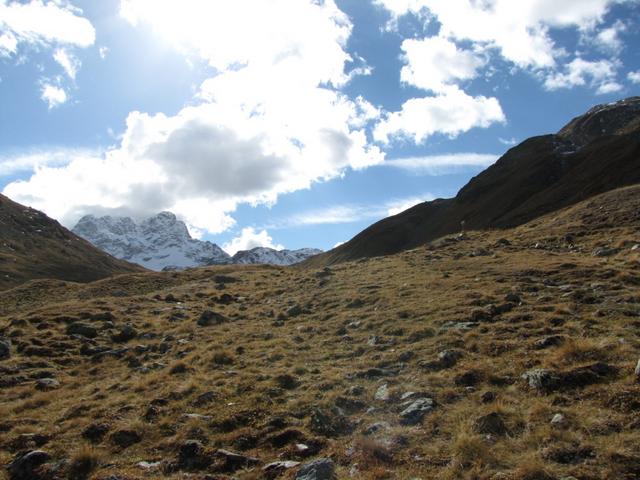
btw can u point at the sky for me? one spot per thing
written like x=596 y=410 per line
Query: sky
x=289 y=123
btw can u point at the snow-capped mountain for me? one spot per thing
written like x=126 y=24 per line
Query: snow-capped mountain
x=163 y=242
x=274 y=257
x=160 y=242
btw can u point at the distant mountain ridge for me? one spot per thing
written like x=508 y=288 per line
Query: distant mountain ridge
x=594 y=153
x=34 y=246
x=163 y=242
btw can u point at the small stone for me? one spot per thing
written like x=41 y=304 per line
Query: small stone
x=46 y=384
x=637 y=370
x=5 y=349
x=558 y=420
x=414 y=413
x=488 y=397
x=448 y=358
x=126 y=334
x=125 y=438
x=491 y=424
x=96 y=432
x=321 y=469
x=23 y=466
x=294 y=311
x=208 y=318
x=79 y=328
x=382 y=394
x=540 y=378
x=275 y=469
x=376 y=427
x=235 y=461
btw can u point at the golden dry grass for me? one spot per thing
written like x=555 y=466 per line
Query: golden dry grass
x=254 y=383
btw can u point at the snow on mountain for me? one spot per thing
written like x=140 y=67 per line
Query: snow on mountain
x=160 y=242
x=163 y=242
x=274 y=257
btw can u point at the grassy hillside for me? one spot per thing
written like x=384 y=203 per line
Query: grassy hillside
x=33 y=246
x=497 y=355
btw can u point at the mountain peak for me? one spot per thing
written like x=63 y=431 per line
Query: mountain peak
x=163 y=242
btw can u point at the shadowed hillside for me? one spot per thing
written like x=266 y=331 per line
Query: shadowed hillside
x=33 y=246
x=594 y=153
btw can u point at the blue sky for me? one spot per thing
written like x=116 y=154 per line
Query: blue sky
x=292 y=123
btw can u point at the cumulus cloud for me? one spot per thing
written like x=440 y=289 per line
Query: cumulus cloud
x=634 y=77
x=600 y=74
x=53 y=95
x=518 y=30
x=271 y=120
x=250 y=238
x=41 y=22
x=451 y=113
x=434 y=63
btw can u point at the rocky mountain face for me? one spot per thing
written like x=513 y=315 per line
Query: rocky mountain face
x=34 y=246
x=274 y=257
x=596 y=152
x=163 y=242
x=159 y=242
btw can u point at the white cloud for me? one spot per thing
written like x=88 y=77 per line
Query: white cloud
x=394 y=208
x=54 y=96
x=250 y=238
x=518 y=30
x=103 y=51
x=600 y=74
x=434 y=63
x=270 y=121
x=609 y=38
x=442 y=164
x=41 y=22
x=509 y=142
x=69 y=62
x=634 y=77
x=36 y=159
x=351 y=213
x=451 y=113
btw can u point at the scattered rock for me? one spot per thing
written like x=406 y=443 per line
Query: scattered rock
x=46 y=384
x=275 y=469
x=295 y=311
x=329 y=423
x=208 y=318
x=558 y=420
x=234 y=461
x=192 y=457
x=488 y=397
x=551 y=341
x=286 y=381
x=79 y=328
x=125 y=438
x=415 y=412
x=321 y=469
x=382 y=394
x=491 y=424
x=605 y=252
x=126 y=334
x=637 y=370
x=24 y=466
x=96 y=432
x=541 y=379
x=376 y=427
x=5 y=349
